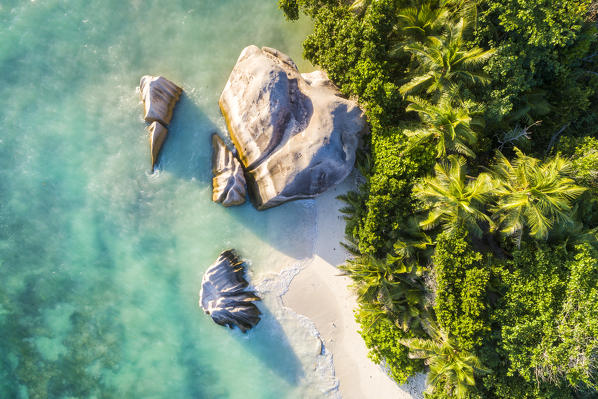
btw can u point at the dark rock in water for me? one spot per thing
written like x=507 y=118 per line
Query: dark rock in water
x=157 y=135
x=228 y=181
x=223 y=293
x=159 y=96
x=294 y=133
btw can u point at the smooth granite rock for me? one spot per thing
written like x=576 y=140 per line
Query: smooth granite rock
x=159 y=96
x=294 y=134
x=224 y=296
x=157 y=135
x=228 y=181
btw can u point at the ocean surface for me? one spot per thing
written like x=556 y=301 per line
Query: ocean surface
x=100 y=259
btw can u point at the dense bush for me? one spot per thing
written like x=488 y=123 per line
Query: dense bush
x=381 y=336
x=462 y=280
x=544 y=68
x=486 y=269
x=585 y=162
x=548 y=327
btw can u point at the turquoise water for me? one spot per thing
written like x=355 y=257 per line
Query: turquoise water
x=100 y=259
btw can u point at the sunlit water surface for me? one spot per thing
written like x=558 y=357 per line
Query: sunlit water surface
x=101 y=259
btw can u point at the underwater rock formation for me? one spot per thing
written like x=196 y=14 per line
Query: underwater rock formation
x=294 y=134
x=223 y=293
x=228 y=181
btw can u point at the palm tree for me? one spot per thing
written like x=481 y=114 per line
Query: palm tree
x=533 y=194
x=450 y=126
x=455 y=200
x=413 y=247
x=531 y=105
x=451 y=370
x=467 y=9
x=374 y=278
x=353 y=213
x=423 y=21
x=446 y=60
x=390 y=287
x=370 y=314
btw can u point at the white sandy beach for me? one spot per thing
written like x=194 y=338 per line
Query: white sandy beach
x=320 y=293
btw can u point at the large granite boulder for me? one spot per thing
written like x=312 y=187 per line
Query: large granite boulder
x=224 y=296
x=159 y=96
x=228 y=181
x=293 y=132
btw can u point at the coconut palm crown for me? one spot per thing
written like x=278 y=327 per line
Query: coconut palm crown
x=533 y=194
x=454 y=199
x=446 y=60
x=422 y=21
x=451 y=369
x=450 y=126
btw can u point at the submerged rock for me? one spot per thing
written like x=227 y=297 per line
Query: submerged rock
x=228 y=181
x=294 y=134
x=157 y=135
x=159 y=96
x=223 y=293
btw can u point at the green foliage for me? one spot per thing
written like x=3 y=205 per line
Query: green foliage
x=548 y=327
x=353 y=48
x=382 y=338
x=290 y=8
x=525 y=311
x=389 y=202
x=585 y=162
x=392 y=286
x=455 y=200
x=533 y=194
x=421 y=21
x=462 y=280
x=577 y=326
x=543 y=62
x=451 y=369
x=445 y=61
x=450 y=126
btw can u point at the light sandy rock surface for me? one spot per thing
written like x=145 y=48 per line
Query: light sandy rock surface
x=157 y=135
x=159 y=96
x=294 y=134
x=228 y=181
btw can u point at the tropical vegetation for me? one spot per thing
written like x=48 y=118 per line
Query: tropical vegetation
x=474 y=230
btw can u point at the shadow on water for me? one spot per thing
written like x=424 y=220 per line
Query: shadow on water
x=187 y=150
x=187 y=153
x=269 y=343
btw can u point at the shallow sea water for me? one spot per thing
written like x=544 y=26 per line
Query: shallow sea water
x=100 y=259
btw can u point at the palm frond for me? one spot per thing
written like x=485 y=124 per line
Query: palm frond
x=533 y=194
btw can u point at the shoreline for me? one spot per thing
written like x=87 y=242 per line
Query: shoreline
x=320 y=293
